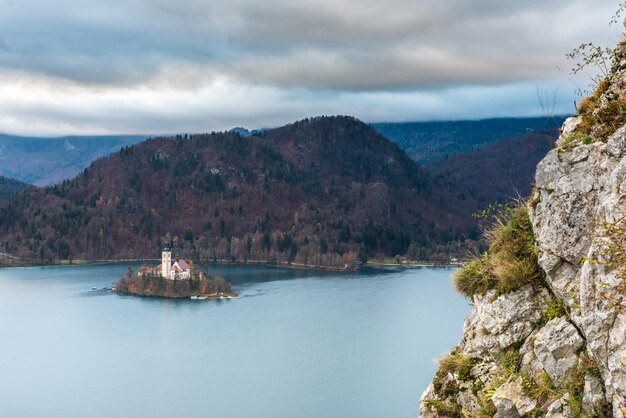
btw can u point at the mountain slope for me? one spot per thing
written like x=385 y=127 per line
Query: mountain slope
x=45 y=161
x=9 y=187
x=497 y=173
x=320 y=191
x=428 y=142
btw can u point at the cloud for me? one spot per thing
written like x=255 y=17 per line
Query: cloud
x=39 y=107
x=320 y=43
x=163 y=65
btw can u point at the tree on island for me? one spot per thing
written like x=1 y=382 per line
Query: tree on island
x=149 y=283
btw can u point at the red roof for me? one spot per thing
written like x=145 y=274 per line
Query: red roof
x=183 y=264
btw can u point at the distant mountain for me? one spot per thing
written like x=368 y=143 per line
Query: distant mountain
x=246 y=132
x=241 y=131
x=45 y=161
x=9 y=187
x=324 y=191
x=499 y=172
x=427 y=142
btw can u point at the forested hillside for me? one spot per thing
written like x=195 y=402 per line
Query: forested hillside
x=325 y=191
x=497 y=173
x=9 y=187
x=428 y=142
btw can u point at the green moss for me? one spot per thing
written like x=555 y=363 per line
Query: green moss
x=511 y=261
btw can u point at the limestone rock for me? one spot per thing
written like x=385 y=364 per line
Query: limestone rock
x=429 y=394
x=510 y=400
x=579 y=187
x=559 y=408
x=497 y=323
x=556 y=346
x=575 y=195
x=593 y=395
x=570 y=125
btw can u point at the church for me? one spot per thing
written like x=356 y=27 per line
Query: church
x=177 y=270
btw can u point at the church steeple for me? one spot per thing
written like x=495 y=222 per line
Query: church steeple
x=166 y=258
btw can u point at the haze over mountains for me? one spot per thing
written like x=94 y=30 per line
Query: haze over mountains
x=46 y=161
x=427 y=142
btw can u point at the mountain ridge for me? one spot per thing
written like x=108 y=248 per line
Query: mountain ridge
x=325 y=191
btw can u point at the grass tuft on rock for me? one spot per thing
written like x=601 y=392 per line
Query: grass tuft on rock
x=457 y=364
x=511 y=261
x=602 y=113
x=554 y=309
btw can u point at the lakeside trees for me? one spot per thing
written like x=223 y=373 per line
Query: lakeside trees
x=150 y=284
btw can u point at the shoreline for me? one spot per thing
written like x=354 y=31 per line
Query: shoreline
x=192 y=297
x=264 y=263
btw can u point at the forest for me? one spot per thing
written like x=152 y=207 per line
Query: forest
x=326 y=191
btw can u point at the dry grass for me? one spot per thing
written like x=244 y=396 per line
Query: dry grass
x=511 y=261
x=600 y=118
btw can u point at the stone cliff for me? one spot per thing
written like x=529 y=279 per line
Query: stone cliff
x=554 y=346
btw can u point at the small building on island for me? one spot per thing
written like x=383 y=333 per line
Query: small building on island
x=169 y=269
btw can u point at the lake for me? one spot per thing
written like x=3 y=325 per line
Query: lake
x=296 y=344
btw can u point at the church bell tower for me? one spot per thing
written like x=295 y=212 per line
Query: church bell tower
x=166 y=261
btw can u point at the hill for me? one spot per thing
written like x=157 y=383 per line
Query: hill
x=45 y=161
x=428 y=142
x=497 y=173
x=9 y=187
x=325 y=191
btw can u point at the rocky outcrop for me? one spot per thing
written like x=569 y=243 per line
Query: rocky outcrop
x=578 y=193
x=556 y=347
x=527 y=358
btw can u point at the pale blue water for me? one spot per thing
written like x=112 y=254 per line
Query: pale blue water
x=296 y=344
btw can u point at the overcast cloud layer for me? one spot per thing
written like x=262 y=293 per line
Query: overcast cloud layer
x=165 y=66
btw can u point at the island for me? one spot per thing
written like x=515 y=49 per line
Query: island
x=175 y=279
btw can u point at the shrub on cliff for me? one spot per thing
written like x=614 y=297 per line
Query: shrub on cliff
x=511 y=261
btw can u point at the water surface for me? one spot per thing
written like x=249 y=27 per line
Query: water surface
x=296 y=344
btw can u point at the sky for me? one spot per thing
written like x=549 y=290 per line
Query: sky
x=85 y=67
